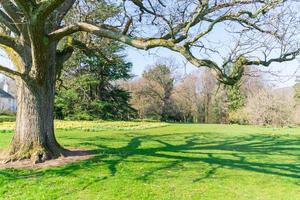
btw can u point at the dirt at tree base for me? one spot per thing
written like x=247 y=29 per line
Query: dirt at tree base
x=74 y=155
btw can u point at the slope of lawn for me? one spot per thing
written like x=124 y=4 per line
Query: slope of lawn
x=174 y=161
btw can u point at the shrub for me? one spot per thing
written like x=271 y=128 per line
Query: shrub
x=270 y=108
x=238 y=117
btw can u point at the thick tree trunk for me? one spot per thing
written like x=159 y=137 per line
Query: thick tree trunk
x=34 y=135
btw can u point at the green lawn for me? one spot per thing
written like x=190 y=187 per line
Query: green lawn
x=214 y=162
x=5 y=118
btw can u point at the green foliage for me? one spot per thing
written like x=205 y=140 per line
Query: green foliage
x=90 y=90
x=96 y=12
x=238 y=117
x=207 y=162
x=233 y=71
x=235 y=97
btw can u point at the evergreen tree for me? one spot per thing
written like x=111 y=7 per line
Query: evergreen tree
x=89 y=86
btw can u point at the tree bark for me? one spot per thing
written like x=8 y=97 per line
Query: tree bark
x=34 y=135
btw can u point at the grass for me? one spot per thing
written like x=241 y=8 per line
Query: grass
x=93 y=126
x=5 y=118
x=178 y=161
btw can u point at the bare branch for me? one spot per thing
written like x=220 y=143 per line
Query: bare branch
x=4 y=19
x=61 y=57
x=235 y=17
x=182 y=30
x=9 y=72
x=46 y=7
x=283 y=58
x=10 y=8
x=15 y=14
x=111 y=33
x=64 y=9
x=10 y=43
x=26 y=6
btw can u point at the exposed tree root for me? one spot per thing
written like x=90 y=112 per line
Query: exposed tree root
x=36 y=155
x=71 y=156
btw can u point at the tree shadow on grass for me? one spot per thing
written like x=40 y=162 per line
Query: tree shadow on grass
x=255 y=153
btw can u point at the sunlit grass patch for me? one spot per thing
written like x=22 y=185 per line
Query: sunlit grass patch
x=7 y=118
x=179 y=161
x=92 y=125
x=7 y=127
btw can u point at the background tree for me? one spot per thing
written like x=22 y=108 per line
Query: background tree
x=89 y=87
x=160 y=83
x=208 y=86
x=152 y=93
x=238 y=94
x=138 y=100
x=269 y=107
x=186 y=100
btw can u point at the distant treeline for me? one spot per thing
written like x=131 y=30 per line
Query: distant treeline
x=199 y=98
x=93 y=88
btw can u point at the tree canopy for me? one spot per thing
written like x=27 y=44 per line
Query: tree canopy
x=263 y=31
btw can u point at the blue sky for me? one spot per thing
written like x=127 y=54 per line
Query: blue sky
x=220 y=39
x=5 y=61
x=143 y=59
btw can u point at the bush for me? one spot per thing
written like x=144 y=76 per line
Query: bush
x=270 y=108
x=81 y=116
x=238 y=117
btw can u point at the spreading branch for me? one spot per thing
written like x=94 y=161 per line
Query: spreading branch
x=26 y=6
x=111 y=33
x=180 y=32
x=16 y=17
x=13 y=11
x=61 y=57
x=63 y=9
x=10 y=43
x=9 y=72
x=46 y=7
x=6 y=21
x=282 y=58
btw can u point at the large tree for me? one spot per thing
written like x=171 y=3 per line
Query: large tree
x=33 y=29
